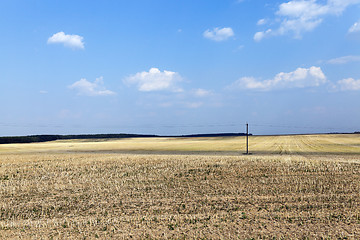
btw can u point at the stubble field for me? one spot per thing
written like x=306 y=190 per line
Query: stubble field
x=164 y=188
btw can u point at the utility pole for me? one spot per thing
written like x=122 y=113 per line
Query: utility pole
x=247 y=139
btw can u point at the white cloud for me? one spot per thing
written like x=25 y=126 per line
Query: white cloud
x=300 y=16
x=300 y=78
x=348 y=84
x=344 y=60
x=219 y=34
x=260 y=35
x=155 y=80
x=202 y=92
x=355 y=27
x=261 y=22
x=72 y=41
x=96 y=88
x=306 y=9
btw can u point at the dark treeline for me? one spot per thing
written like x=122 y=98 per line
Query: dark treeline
x=343 y=133
x=46 y=138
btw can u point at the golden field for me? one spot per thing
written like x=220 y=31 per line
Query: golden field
x=304 y=186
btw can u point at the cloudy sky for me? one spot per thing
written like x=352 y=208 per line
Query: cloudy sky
x=179 y=67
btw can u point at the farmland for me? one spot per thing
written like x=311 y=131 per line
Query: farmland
x=304 y=186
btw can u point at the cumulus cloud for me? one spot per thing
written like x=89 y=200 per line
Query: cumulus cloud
x=86 y=88
x=300 y=16
x=348 y=84
x=344 y=60
x=355 y=27
x=71 y=41
x=300 y=78
x=260 y=35
x=155 y=80
x=219 y=34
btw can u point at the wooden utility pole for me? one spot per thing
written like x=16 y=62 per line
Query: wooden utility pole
x=247 y=138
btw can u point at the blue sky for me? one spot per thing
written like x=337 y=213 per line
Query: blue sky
x=179 y=67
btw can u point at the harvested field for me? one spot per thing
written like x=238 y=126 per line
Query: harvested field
x=290 y=187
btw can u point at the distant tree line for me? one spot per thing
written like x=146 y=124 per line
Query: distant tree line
x=343 y=133
x=46 y=138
